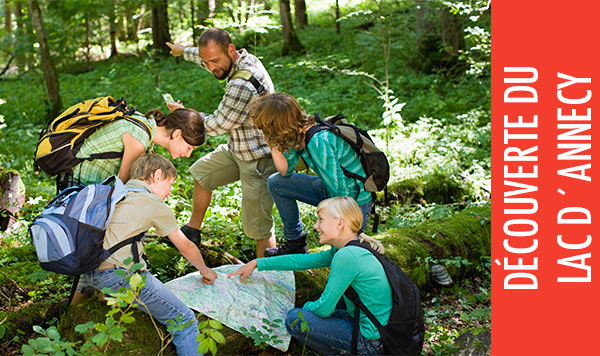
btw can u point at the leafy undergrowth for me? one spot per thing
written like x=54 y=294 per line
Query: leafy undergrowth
x=453 y=310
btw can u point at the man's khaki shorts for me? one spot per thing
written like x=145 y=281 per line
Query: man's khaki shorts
x=222 y=167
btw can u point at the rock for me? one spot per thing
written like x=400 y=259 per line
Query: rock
x=473 y=343
x=12 y=197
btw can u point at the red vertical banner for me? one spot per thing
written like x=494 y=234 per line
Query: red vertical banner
x=545 y=67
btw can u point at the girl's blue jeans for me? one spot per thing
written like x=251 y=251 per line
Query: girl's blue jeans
x=288 y=191
x=330 y=336
x=161 y=303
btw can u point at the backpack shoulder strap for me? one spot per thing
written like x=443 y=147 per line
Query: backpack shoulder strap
x=246 y=75
x=139 y=123
x=320 y=126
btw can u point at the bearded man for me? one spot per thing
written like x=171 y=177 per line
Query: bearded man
x=246 y=156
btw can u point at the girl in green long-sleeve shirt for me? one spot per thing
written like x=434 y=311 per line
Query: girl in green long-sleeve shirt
x=330 y=316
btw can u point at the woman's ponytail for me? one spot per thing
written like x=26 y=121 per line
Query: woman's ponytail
x=158 y=116
x=375 y=245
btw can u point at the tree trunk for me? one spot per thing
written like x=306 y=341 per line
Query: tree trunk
x=87 y=42
x=206 y=10
x=291 y=43
x=7 y=18
x=452 y=34
x=337 y=17
x=423 y=24
x=160 y=27
x=20 y=35
x=47 y=65
x=131 y=24
x=193 y=19
x=121 y=29
x=112 y=28
x=300 y=13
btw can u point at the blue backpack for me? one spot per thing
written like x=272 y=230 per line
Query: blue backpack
x=69 y=233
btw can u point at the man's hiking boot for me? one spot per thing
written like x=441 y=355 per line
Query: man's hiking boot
x=289 y=247
x=440 y=276
x=192 y=234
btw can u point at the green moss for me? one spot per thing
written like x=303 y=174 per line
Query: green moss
x=22 y=316
x=310 y=284
x=443 y=189
x=24 y=253
x=141 y=338
x=407 y=191
x=466 y=234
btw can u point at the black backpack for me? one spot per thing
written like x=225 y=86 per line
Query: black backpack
x=373 y=160
x=405 y=330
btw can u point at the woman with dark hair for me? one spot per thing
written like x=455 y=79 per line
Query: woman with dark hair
x=179 y=132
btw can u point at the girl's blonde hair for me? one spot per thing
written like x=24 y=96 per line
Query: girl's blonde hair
x=346 y=208
x=281 y=120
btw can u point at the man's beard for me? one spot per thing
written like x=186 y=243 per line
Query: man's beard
x=227 y=71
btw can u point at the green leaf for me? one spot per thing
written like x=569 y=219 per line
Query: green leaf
x=127 y=318
x=100 y=339
x=108 y=291
x=38 y=275
x=128 y=260
x=203 y=347
x=304 y=327
x=2 y=331
x=100 y=327
x=212 y=345
x=44 y=345
x=203 y=324
x=84 y=328
x=217 y=336
x=215 y=324
x=135 y=281
x=38 y=329
x=27 y=350
x=53 y=333
x=120 y=273
x=116 y=333
x=128 y=298
x=294 y=323
x=112 y=312
x=266 y=321
x=136 y=267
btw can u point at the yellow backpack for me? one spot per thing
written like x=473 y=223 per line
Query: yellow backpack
x=61 y=140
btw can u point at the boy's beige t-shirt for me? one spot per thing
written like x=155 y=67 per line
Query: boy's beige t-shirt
x=138 y=212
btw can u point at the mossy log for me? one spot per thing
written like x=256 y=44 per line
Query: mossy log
x=465 y=236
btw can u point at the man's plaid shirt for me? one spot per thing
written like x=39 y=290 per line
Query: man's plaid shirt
x=245 y=140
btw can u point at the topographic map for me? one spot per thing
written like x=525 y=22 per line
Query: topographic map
x=266 y=295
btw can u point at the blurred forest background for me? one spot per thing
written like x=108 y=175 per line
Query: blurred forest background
x=415 y=73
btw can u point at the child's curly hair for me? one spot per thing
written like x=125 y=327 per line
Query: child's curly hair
x=281 y=120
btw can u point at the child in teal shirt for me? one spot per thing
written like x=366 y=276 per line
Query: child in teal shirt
x=284 y=126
